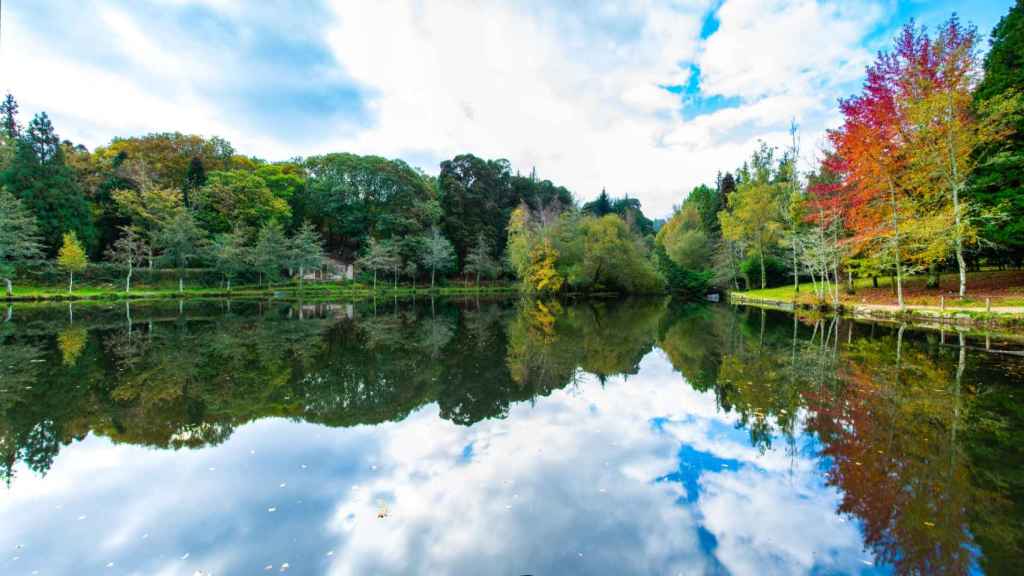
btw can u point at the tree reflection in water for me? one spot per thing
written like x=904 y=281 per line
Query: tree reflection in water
x=921 y=437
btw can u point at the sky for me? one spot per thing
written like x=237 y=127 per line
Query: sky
x=647 y=98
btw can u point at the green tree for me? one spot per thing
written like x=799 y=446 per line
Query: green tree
x=71 y=258
x=351 y=198
x=129 y=251
x=230 y=254
x=998 y=182
x=19 y=237
x=237 y=198
x=438 y=254
x=476 y=198
x=379 y=255
x=38 y=176
x=753 y=218
x=180 y=241
x=305 y=250
x=9 y=117
x=270 y=254
x=479 y=260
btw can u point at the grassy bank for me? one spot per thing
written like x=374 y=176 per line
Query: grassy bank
x=332 y=290
x=994 y=298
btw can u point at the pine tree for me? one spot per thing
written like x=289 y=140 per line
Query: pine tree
x=9 y=117
x=38 y=176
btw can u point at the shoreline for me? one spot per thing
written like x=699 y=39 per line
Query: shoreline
x=1004 y=318
x=287 y=291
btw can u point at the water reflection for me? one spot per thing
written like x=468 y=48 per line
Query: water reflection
x=519 y=437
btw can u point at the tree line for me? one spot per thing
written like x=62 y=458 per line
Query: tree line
x=925 y=173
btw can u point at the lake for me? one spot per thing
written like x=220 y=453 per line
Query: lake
x=502 y=437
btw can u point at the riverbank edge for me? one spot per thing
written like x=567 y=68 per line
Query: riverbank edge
x=915 y=315
x=313 y=291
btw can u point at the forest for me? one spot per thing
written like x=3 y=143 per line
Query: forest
x=925 y=174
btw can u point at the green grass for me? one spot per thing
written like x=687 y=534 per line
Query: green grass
x=290 y=290
x=1007 y=291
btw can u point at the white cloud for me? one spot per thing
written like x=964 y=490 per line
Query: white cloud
x=576 y=93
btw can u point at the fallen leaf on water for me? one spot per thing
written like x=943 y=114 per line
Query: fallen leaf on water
x=930 y=524
x=284 y=567
x=271 y=509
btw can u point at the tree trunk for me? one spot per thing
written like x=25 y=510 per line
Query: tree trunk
x=796 y=270
x=302 y=274
x=763 y=279
x=181 y=284
x=874 y=281
x=10 y=288
x=71 y=281
x=229 y=283
x=896 y=245
x=128 y=281
x=432 y=278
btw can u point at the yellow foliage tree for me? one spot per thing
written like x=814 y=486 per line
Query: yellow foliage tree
x=541 y=276
x=72 y=258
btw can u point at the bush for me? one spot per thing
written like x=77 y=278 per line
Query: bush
x=679 y=280
x=775 y=270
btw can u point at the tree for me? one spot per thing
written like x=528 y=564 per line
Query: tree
x=542 y=276
x=479 y=260
x=873 y=145
x=599 y=206
x=948 y=136
x=379 y=255
x=438 y=254
x=753 y=218
x=180 y=241
x=38 y=176
x=195 y=179
x=998 y=181
x=351 y=198
x=19 y=237
x=271 y=251
x=129 y=250
x=230 y=254
x=305 y=250
x=9 y=117
x=476 y=196
x=237 y=198
x=71 y=258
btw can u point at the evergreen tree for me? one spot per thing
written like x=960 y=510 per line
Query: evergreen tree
x=230 y=254
x=999 y=181
x=600 y=206
x=180 y=241
x=38 y=176
x=19 y=237
x=305 y=250
x=9 y=117
x=271 y=251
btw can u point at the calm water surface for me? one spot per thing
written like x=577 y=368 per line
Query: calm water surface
x=467 y=437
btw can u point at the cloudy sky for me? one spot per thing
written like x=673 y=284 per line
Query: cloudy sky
x=646 y=98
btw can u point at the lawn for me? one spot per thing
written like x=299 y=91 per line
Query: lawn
x=1003 y=287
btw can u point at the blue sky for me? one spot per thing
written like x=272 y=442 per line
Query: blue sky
x=644 y=98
